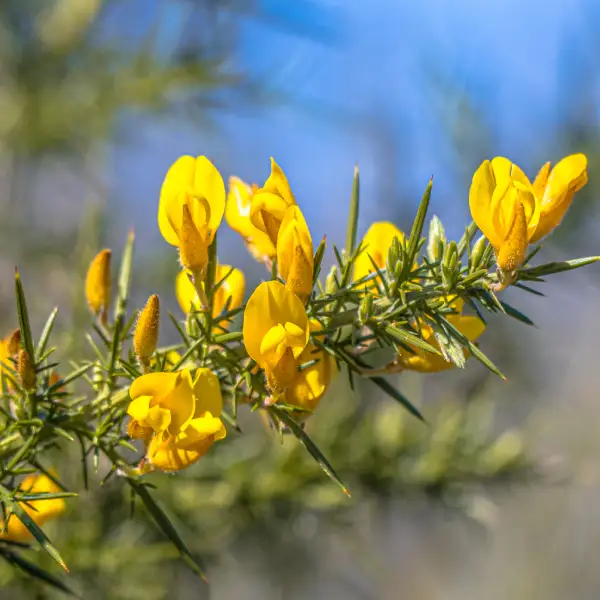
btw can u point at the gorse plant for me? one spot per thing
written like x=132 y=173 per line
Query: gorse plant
x=417 y=301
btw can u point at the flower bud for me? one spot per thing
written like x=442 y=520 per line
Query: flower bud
x=331 y=285
x=449 y=262
x=477 y=253
x=25 y=370
x=13 y=342
x=365 y=311
x=193 y=248
x=437 y=239
x=145 y=336
x=97 y=284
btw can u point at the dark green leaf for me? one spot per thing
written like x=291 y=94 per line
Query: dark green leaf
x=23 y=314
x=410 y=339
x=558 y=267
x=417 y=229
x=391 y=391
x=76 y=374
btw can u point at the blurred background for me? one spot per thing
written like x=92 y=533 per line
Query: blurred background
x=499 y=497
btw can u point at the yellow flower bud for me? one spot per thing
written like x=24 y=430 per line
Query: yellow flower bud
x=275 y=331
x=145 y=336
x=13 y=342
x=504 y=207
x=25 y=370
x=40 y=511
x=269 y=204
x=237 y=215
x=177 y=414
x=295 y=255
x=191 y=206
x=97 y=284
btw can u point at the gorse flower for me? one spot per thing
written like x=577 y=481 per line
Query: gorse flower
x=311 y=383
x=376 y=243
x=276 y=332
x=269 y=203
x=40 y=511
x=97 y=284
x=554 y=191
x=295 y=255
x=191 y=206
x=237 y=215
x=427 y=362
x=177 y=415
x=511 y=212
x=229 y=293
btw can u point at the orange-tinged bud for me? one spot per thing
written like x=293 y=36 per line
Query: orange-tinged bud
x=97 y=284
x=145 y=336
x=26 y=370
x=13 y=342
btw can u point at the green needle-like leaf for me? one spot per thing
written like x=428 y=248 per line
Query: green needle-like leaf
x=124 y=277
x=23 y=314
x=353 y=214
x=391 y=391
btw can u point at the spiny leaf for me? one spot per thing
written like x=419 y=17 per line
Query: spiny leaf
x=558 y=267
x=76 y=374
x=516 y=314
x=165 y=525
x=353 y=213
x=23 y=314
x=124 y=277
x=312 y=448
x=417 y=228
x=35 y=530
x=410 y=339
x=391 y=391
x=43 y=341
x=37 y=572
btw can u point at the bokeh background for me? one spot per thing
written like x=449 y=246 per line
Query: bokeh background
x=499 y=497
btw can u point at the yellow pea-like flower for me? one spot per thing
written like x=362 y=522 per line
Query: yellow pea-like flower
x=41 y=511
x=190 y=209
x=269 y=203
x=295 y=254
x=145 y=335
x=178 y=416
x=504 y=207
x=276 y=332
x=426 y=362
x=237 y=215
x=97 y=284
x=554 y=191
x=230 y=292
x=311 y=383
x=376 y=244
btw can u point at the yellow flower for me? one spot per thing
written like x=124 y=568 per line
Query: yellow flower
x=230 y=293
x=40 y=511
x=270 y=202
x=237 y=215
x=376 y=244
x=97 y=284
x=504 y=207
x=554 y=190
x=276 y=332
x=9 y=348
x=426 y=362
x=177 y=414
x=295 y=254
x=191 y=206
x=145 y=335
x=311 y=383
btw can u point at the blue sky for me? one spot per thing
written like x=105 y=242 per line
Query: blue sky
x=361 y=78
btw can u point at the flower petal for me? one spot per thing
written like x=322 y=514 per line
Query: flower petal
x=481 y=194
x=208 y=393
x=376 y=243
x=186 y=293
x=138 y=408
x=153 y=384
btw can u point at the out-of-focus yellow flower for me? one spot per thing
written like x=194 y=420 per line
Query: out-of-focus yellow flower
x=177 y=415
x=191 y=206
x=426 y=362
x=145 y=335
x=229 y=293
x=504 y=206
x=40 y=511
x=311 y=383
x=9 y=348
x=276 y=332
x=295 y=254
x=97 y=284
x=270 y=202
x=376 y=243
x=554 y=190
x=237 y=215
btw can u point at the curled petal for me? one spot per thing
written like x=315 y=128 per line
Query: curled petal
x=153 y=384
